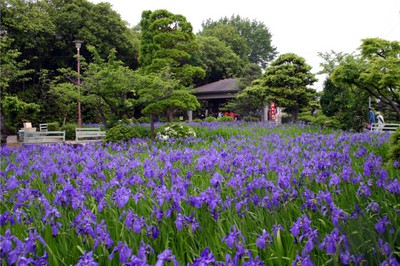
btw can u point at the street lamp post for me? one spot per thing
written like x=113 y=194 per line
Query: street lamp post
x=78 y=44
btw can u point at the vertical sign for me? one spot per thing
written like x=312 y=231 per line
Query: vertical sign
x=272 y=111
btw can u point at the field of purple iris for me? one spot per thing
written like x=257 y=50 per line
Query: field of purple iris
x=260 y=195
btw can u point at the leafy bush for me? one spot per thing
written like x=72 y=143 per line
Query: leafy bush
x=144 y=119
x=133 y=120
x=120 y=133
x=142 y=131
x=394 y=150
x=210 y=119
x=307 y=118
x=285 y=118
x=69 y=130
x=163 y=119
x=251 y=119
x=53 y=126
x=176 y=131
x=225 y=119
x=197 y=120
x=327 y=122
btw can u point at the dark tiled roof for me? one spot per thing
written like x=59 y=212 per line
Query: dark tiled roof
x=221 y=86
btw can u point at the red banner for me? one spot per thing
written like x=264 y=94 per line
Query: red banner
x=272 y=111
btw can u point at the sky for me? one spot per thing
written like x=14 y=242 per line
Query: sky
x=303 y=27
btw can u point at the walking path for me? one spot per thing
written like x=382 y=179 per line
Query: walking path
x=12 y=142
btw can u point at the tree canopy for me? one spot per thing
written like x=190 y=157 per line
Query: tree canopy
x=285 y=83
x=161 y=93
x=217 y=59
x=168 y=41
x=376 y=70
x=256 y=34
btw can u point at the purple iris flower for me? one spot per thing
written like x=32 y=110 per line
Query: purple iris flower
x=357 y=212
x=363 y=191
x=391 y=261
x=303 y=261
x=380 y=226
x=166 y=256
x=144 y=249
x=102 y=236
x=333 y=242
x=124 y=252
x=122 y=196
x=87 y=260
x=6 y=243
x=384 y=247
x=276 y=228
x=233 y=237
x=264 y=239
x=216 y=179
x=374 y=207
x=206 y=258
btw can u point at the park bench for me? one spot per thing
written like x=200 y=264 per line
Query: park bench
x=43 y=127
x=384 y=127
x=86 y=134
x=45 y=137
x=27 y=128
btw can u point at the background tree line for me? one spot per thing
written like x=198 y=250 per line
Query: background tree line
x=150 y=69
x=38 y=59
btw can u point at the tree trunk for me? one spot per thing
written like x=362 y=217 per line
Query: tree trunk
x=3 y=132
x=170 y=116
x=295 y=115
x=152 y=135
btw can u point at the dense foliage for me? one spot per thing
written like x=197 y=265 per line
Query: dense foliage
x=256 y=34
x=375 y=71
x=168 y=42
x=120 y=133
x=286 y=83
x=264 y=194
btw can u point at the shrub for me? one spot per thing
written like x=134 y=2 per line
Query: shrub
x=197 y=120
x=176 y=131
x=327 y=122
x=133 y=120
x=143 y=119
x=307 y=117
x=285 y=118
x=251 y=119
x=142 y=131
x=225 y=119
x=394 y=150
x=53 y=126
x=210 y=119
x=69 y=130
x=163 y=119
x=120 y=133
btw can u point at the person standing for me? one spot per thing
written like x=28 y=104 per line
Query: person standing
x=371 y=118
x=381 y=121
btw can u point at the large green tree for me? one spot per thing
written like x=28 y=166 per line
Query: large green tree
x=168 y=41
x=231 y=37
x=217 y=59
x=345 y=103
x=257 y=35
x=160 y=93
x=43 y=32
x=109 y=87
x=13 y=111
x=376 y=70
x=286 y=82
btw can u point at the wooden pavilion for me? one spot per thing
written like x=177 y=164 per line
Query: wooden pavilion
x=212 y=96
